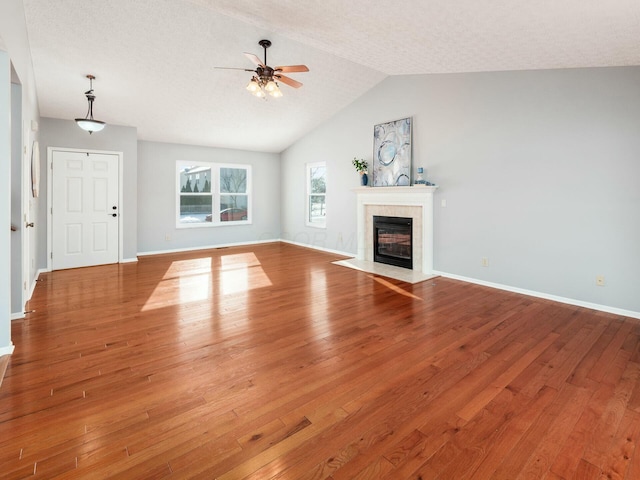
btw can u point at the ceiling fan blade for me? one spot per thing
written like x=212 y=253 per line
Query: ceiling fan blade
x=254 y=59
x=292 y=68
x=289 y=81
x=236 y=68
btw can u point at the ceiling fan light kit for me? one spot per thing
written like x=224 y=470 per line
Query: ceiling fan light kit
x=265 y=80
x=88 y=123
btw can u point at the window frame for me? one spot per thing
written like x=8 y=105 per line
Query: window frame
x=215 y=193
x=309 y=193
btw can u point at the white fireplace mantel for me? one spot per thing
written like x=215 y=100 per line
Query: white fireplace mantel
x=415 y=196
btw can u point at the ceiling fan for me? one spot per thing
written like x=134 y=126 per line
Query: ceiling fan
x=266 y=78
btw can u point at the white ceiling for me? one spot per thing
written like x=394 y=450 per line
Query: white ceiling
x=154 y=59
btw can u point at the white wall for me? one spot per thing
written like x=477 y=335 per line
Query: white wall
x=65 y=133
x=539 y=170
x=157 y=202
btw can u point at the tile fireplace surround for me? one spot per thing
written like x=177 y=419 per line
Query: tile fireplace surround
x=414 y=202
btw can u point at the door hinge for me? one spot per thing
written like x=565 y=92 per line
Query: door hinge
x=51 y=255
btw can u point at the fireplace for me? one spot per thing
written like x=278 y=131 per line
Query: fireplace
x=393 y=241
x=409 y=202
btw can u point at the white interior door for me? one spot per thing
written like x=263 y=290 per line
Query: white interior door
x=84 y=209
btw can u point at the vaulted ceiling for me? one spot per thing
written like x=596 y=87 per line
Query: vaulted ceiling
x=154 y=60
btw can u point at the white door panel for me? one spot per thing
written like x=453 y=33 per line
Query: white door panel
x=85 y=209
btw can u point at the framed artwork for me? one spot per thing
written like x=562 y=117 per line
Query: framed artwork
x=392 y=153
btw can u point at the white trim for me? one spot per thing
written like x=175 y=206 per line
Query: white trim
x=129 y=260
x=307 y=199
x=35 y=282
x=7 y=350
x=121 y=209
x=17 y=316
x=29 y=166
x=206 y=247
x=546 y=296
x=315 y=247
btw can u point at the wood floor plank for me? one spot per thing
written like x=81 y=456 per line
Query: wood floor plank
x=568 y=459
x=269 y=362
x=510 y=373
x=546 y=451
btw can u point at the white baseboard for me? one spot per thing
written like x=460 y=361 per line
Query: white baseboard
x=8 y=350
x=206 y=247
x=35 y=280
x=546 y=296
x=129 y=260
x=322 y=249
x=17 y=316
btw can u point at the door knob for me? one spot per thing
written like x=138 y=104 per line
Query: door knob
x=114 y=214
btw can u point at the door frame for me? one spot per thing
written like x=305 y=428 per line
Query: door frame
x=27 y=261
x=121 y=209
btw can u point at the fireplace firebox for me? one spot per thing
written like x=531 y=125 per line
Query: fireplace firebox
x=393 y=241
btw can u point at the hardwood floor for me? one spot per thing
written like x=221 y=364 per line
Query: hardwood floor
x=270 y=362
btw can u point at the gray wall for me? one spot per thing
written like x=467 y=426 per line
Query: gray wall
x=66 y=134
x=157 y=202
x=539 y=170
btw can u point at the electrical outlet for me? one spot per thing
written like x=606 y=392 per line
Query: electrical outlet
x=484 y=261
x=167 y=238
x=443 y=203
x=600 y=280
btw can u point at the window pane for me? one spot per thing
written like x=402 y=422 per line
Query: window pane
x=195 y=179
x=195 y=208
x=233 y=208
x=318 y=179
x=317 y=208
x=233 y=180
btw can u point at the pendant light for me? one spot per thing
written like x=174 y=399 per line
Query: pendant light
x=88 y=123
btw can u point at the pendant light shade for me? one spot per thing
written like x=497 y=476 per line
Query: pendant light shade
x=88 y=123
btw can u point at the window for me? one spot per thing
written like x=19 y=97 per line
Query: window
x=316 y=194
x=211 y=194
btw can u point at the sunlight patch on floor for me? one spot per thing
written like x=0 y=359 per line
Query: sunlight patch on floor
x=234 y=274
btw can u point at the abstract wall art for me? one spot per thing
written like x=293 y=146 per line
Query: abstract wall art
x=392 y=153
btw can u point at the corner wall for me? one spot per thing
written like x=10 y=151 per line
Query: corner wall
x=116 y=138
x=538 y=169
x=156 y=187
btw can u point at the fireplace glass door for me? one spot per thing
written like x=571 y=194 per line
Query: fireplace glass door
x=393 y=241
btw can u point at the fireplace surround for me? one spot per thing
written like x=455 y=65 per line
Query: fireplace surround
x=415 y=202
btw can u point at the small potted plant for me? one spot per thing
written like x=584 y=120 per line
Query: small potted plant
x=361 y=168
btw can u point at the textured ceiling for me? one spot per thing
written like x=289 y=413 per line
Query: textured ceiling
x=154 y=59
